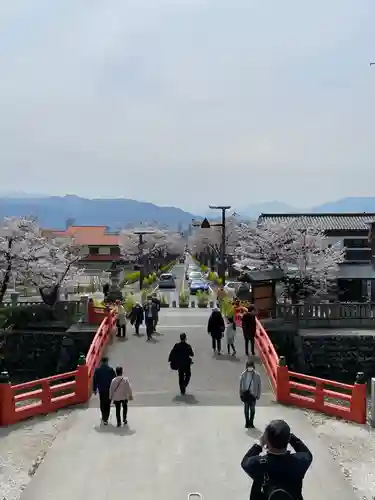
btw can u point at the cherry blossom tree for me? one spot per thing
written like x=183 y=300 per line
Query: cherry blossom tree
x=28 y=257
x=309 y=263
x=158 y=243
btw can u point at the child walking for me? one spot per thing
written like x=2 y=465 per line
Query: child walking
x=230 y=334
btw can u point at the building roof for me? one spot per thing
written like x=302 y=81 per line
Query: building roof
x=324 y=221
x=356 y=271
x=86 y=235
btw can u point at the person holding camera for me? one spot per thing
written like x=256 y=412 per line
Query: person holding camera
x=278 y=474
x=250 y=391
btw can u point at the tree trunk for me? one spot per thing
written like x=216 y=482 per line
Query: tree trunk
x=5 y=282
x=50 y=295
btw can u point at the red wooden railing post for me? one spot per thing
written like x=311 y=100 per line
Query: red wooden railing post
x=6 y=399
x=282 y=382
x=319 y=396
x=82 y=380
x=358 y=406
x=91 y=312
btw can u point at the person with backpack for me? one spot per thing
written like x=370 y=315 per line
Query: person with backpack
x=250 y=391
x=180 y=359
x=120 y=392
x=278 y=474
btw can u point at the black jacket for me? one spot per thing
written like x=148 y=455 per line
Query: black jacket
x=103 y=377
x=180 y=356
x=216 y=325
x=136 y=315
x=286 y=470
x=249 y=324
x=154 y=310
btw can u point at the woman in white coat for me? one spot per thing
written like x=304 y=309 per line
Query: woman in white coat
x=230 y=335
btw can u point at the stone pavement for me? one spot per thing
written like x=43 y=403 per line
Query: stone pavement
x=174 y=445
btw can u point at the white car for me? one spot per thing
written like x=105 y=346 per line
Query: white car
x=231 y=288
x=195 y=276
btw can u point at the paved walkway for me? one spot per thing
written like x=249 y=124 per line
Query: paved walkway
x=172 y=445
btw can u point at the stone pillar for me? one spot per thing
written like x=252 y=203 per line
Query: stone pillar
x=85 y=308
x=14 y=296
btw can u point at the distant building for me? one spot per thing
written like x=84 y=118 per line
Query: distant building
x=356 y=276
x=99 y=247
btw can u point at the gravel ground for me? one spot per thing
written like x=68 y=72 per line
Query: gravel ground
x=23 y=447
x=353 y=446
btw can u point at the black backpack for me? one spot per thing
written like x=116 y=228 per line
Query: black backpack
x=174 y=359
x=272 y=490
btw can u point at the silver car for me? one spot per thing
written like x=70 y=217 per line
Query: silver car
x=167 y=280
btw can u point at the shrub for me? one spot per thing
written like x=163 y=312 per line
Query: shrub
x=219 y=281
x=163 y=299
x=203 y=297
x=212 y=276
x=226 y=307
x=129 y=303
x=131 y=277
x=183 y=298
x=146 y=282
x=204 y=268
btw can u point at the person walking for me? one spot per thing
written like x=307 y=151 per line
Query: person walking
x=120 y=319
x=103 y=377
x=230 y=335
x=249 y=328
x=180 y=359
x=216 y=328
x=150 y=316
x=250 y=391
x=278 y=473
x=156 y=301
x=136 y=317
x=120 y=392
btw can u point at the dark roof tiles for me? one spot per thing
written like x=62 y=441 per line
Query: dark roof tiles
x=325 y=222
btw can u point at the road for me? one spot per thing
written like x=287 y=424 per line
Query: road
x=174 y=445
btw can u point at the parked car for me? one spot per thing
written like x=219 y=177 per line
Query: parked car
x=190 y=268
x=195 y=275
x=231 y=288
x=198 y=286
x=167 y=280
x=182 y=260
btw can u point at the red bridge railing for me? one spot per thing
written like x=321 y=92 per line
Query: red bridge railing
x=346 y=401
x=21 y=401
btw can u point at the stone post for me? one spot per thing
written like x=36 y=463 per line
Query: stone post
x=14 y=298
x=85 y=308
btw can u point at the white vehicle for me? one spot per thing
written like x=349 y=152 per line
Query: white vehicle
x=195 y=276
x=231 y=288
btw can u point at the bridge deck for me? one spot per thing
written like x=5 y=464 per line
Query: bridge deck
x=173 y=447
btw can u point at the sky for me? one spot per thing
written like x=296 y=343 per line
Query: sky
x=188 y=102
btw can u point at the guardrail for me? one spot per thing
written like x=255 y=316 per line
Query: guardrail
x=21 y=401
x=326 y=396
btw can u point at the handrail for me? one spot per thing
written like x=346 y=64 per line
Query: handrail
x=36 y=397
x=346 y=401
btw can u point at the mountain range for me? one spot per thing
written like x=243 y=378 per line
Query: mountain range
x=58 y=211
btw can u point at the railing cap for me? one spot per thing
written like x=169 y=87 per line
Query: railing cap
x=282 y=361
x=4 y=377
x=81 y=360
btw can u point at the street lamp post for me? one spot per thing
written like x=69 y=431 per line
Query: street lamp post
x=141 y=233
x=205 y=224
x=223 y=209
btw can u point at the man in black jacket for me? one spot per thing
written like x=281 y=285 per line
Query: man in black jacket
x=103 y=377
x=278 y=470
x=180 y=359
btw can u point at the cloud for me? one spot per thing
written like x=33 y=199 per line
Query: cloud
x=97 y=97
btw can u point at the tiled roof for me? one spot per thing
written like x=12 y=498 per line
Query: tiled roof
x=87 y=235
x=325 y=222
x=101 y=258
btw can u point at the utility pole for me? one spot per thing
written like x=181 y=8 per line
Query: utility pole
x=141 y=242
x=222 y=268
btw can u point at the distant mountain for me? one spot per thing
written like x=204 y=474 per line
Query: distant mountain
x=359 y=205
x=55 y=211
x=255 y=209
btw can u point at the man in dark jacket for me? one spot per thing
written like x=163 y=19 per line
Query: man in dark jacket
x=103 y=377
x=180 y=359
x=156 y=301
x=279 y=470
x=136 y=317
x=150 y=317
x=249 y=327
